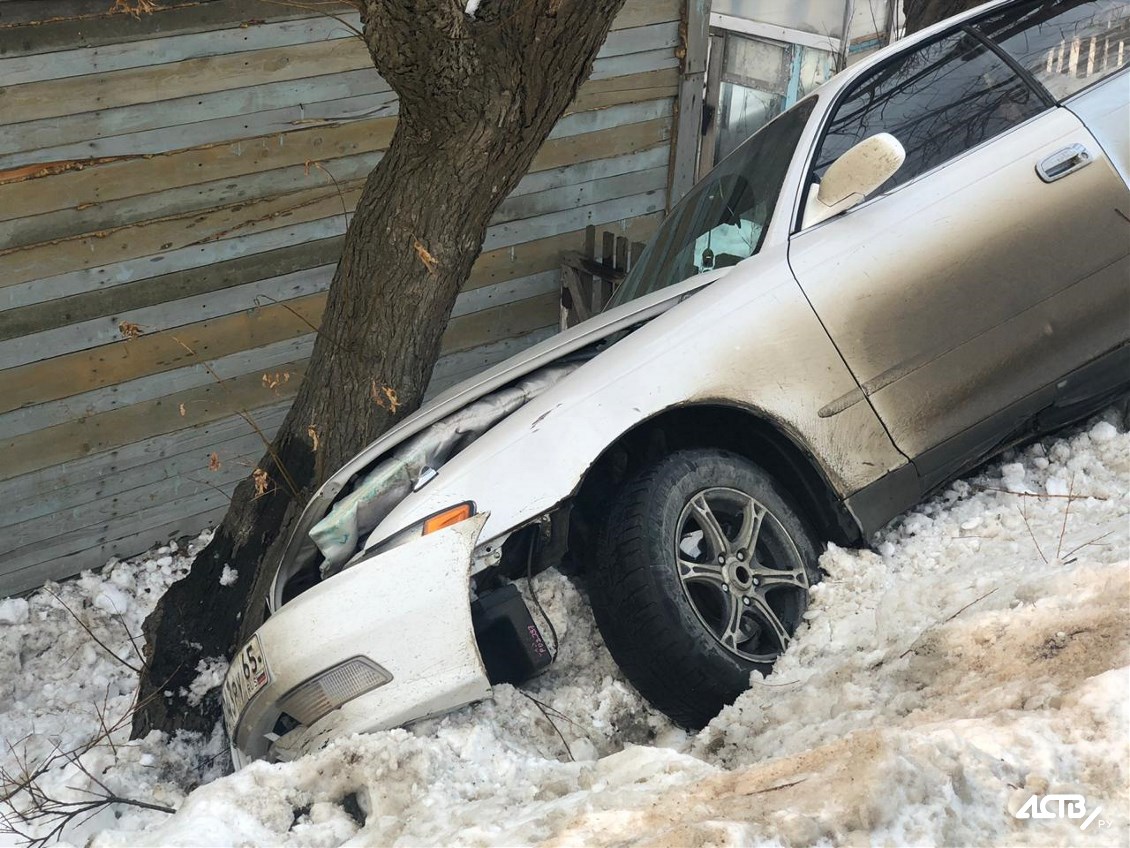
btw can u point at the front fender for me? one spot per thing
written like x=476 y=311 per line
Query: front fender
x=751 y=339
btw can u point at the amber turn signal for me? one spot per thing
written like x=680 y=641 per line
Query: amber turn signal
x=448 y=517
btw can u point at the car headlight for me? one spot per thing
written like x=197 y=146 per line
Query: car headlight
x=436 y=521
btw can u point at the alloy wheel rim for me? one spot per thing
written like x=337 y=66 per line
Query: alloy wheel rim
x=740 y=572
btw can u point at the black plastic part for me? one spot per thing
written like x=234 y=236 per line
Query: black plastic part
x=510 y=643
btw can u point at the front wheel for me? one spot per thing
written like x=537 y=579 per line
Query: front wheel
x=703 y=575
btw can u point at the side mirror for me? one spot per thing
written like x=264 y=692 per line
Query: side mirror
x=853 y=176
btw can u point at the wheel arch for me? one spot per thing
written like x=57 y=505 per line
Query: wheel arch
x=746 y=432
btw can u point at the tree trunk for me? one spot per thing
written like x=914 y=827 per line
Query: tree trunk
x=477 y=99
x=922 y=13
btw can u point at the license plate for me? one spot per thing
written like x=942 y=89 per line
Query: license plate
x=247 y=675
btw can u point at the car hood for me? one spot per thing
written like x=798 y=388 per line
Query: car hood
x=600 y=327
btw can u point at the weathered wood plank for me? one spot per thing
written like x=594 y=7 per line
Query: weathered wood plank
x=99 y=28
x=18 y=540
x=154 y=83
x=172 y=233
x=161 y=518
x=107 y=430
x=15 y=352
x=56 y=281
x=194 y=109
x=304 y=107
x=107 y=329
x=33 y=504
x=101 y=216
x=129 y=177
x=60 y=64
x=158 y=458
x=259 y=360
x=458 y=366
x=200 y=133
x=33 y=32
x=143 y=461
x=156 y=292
x=129 y=211
x=70 y=374
x=161 y=235
x=123 y=179
x=16 y=578
x=151 y=291
x=31 y=418
x=34 y=100
x=63 y=64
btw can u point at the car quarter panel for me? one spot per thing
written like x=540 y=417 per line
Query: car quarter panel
x=749 y=340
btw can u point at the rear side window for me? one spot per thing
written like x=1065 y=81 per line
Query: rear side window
x=1066 y=45
x=939 y=100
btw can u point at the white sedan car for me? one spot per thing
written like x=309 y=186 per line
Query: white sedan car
x=920 y=264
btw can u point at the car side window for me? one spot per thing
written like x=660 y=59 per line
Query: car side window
x=939 y=100
x=1067 y=45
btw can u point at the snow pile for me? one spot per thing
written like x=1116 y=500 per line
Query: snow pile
x=977 y=655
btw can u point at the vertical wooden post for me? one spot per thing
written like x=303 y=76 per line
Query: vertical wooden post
x=684 y=158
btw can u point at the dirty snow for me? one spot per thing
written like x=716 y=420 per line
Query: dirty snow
x=978 y=654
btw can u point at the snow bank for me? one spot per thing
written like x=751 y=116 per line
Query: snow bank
x=977 y=655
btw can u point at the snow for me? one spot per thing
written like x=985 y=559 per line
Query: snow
x=976 y=655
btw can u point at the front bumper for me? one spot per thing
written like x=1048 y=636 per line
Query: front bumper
x=407 y=610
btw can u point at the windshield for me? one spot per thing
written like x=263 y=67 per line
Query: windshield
x=723 y=219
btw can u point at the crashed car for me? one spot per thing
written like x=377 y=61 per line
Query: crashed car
x=920 y=264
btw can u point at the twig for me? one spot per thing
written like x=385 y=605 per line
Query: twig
x=1037 y=495
x=950 y=618
x=1093 y=541
x=1024 y=515
x=1066 y=512
x=552 y=724
x=135 y=669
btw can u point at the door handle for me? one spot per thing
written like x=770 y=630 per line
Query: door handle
x=1063 y=162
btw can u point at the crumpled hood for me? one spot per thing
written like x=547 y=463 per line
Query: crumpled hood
x=406 y=468
x=301 y=549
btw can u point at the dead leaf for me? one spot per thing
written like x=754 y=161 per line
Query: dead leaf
x=129 y=329
x=213 y=461
x=425 y=257
x=183 y=411
x=313 y=434
x=262 y=480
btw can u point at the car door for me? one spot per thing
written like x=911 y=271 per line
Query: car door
x=963 y=290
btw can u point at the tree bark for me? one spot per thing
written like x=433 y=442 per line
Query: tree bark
x=478 y=97
x=922 y=13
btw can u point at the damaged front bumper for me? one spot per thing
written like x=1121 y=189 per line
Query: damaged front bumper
x=387 y=641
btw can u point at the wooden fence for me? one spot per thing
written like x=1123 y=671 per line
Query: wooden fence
x=173 y=193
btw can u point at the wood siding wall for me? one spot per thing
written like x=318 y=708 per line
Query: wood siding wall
x=189 y=174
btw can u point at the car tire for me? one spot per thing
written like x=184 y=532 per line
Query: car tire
x=685 y=628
